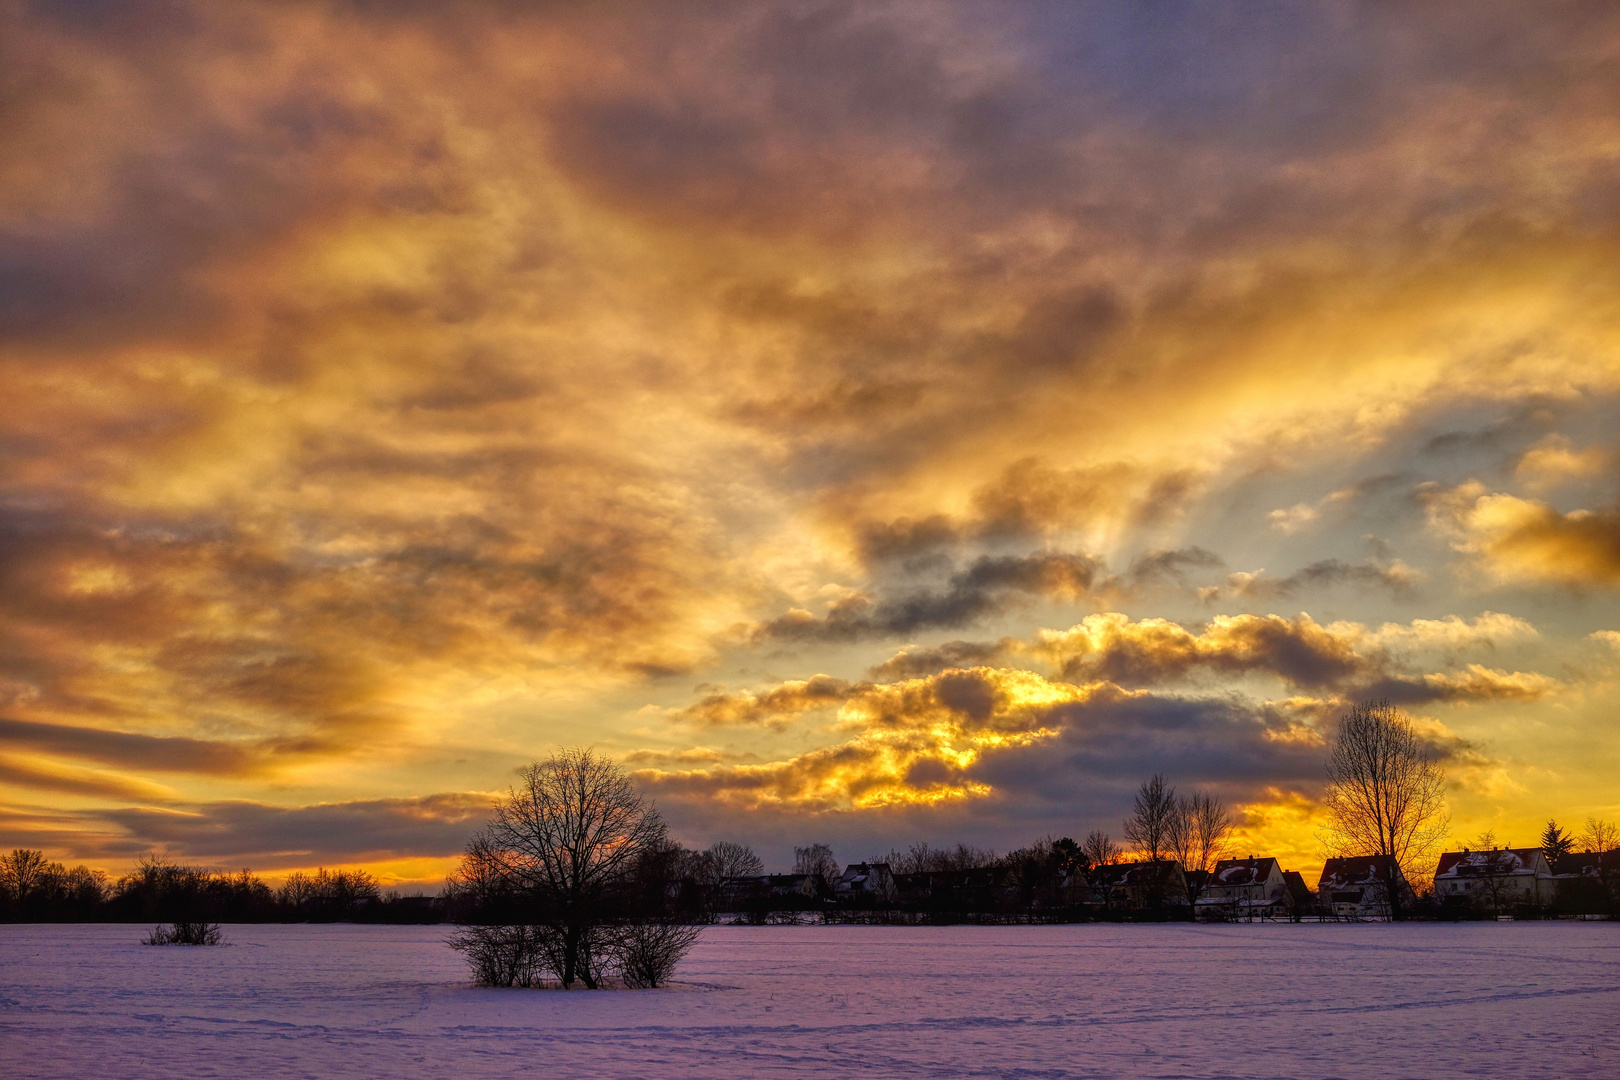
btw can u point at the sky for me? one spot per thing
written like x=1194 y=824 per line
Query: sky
x=869 y=422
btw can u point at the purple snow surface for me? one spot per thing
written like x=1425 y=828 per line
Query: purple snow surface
x=1418 y=1000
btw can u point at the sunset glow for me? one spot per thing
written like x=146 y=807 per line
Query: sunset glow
x=869 y=423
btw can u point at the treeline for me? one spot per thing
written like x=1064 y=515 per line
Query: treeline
x=35 y=889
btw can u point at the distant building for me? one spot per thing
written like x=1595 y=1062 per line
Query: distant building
x=954 y=892
x=1586 y=883
x=773 y=892
x=1497 y=880
x=1300 y=897
x=1140 y=886
x=1361 y=887
x=866 y=885
x=1246 y=888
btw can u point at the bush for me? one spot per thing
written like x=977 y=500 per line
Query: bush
x=502 y=955
x=648 y=952
x=184 y=933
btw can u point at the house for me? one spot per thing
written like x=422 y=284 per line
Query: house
x=866 y=885
x=955 y=892
x=1497 y=880
x=773 y=892
x=1359 y=887
x=1586 y=883
x=1300 y=897
x=1140 y=886
x=1245 y=888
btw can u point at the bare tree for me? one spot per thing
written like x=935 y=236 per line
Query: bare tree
x=23 y=871
x=919 y=858
x=1199 y=830
x=1100 y=848
x=1154 y=815
x=1600 y=836
x=568 y=835
x=726 y=859
x=1489 y=868
x=816 y=859
x=1385 y=790
x=1153 y=818
x=1603 y=837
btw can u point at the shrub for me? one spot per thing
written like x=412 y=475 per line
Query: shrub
x=648 y=952
x=502 y=955
x=184 y=933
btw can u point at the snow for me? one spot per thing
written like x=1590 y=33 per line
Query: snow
x=1307 y=1000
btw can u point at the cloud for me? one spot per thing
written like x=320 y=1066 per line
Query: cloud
x=784 y=700
x=913 y=661
x=1525 y=540
x=915 y=743
x=1169 y=566
x=282 y=836
x=1553 y=461
x=96 y=783
x=1002 y=738
x=1488 y=630
x=1394 y=576
x=989 y=586
x=1346 y=659
x=155 y=753
x=1154 y=651
x=1300 y=516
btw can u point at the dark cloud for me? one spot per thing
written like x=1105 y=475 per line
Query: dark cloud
x=987 y=587
x=1161 y=566
x=83 y=782
x=911 y=663
x=283 y=836
x=1395 y=577
x=145 y=752
x=774 y=705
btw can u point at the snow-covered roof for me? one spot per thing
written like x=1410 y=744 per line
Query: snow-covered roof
x=1587 y=864
x=1500 y=862
x=1134 y=873
x=1243 y=871
x=1351 y=872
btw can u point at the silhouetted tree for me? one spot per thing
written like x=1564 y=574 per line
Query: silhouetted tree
x=1100 y=848
x=1600 y=836
x=1603 y=837
x=919 y=858
x=1153 y=818
x=1151 y=827
x=726 y=859
x=1385 y=790
x=1038 y=871
x=568 y=839
x=1555 y=843
x=1199 y=830
x=816 y=859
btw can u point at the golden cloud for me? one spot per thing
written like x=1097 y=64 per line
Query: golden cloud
x=1516 y=539
x=915 y=743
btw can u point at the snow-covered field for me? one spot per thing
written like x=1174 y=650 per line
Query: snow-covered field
x=1496 y=1000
